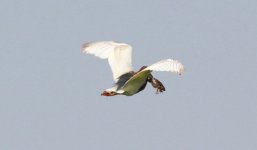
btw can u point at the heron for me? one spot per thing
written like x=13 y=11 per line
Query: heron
x=127 y=81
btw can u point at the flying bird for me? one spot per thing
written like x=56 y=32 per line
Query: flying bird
x=128 y=82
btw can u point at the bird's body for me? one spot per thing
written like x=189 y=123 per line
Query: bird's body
x=128 y=82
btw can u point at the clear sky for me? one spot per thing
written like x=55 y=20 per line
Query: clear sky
x=50 y=91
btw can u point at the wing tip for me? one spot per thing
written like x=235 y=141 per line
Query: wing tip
x=85 y=46
x=180 y=66
x=181 y=70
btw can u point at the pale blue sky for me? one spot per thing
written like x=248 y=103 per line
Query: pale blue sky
x=50 y=91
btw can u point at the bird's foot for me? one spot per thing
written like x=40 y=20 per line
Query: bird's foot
x=156 y=84
x=159 y=90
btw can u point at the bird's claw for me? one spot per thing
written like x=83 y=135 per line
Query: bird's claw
x=159 y=90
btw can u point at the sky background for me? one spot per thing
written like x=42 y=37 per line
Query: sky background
x=50 y=91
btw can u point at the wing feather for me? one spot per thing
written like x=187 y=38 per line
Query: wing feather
x=118 y=55
x=169 y=65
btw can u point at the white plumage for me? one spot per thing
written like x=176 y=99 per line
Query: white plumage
x=169 y=65
x=120 y=61
x=118 y=55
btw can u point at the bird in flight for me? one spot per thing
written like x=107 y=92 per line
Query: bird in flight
x=128 y=82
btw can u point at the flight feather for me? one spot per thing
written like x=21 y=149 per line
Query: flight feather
x=169 y=65
x=118 y=55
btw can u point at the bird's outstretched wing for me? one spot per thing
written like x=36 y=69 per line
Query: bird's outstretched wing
x=167 y=65
x=118 y=55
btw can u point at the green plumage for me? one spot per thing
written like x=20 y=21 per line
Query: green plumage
x=133 y=85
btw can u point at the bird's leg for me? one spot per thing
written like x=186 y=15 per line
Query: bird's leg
x=156 y=84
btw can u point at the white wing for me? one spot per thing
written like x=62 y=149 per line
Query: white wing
x=167 y=65
x=118 y=55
